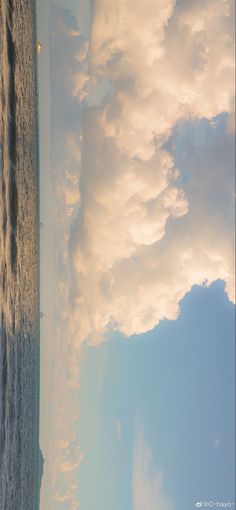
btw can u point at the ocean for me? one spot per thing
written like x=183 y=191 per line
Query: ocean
x=20 y=456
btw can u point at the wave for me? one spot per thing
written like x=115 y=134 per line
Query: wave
x=19 y=259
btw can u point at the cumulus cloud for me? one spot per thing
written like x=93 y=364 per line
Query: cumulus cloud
x=166 y=68
x=132 y=228
x=136 y=225
x=139 y=242
x=65 y=494
x=148 y=481
x=63 y=455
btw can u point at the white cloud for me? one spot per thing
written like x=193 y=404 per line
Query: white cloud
x=65 y=494
x=119 y=430
x=148 y=480
x=80 y=81
x=131 y=240
x=166 y=68
x=140 y=240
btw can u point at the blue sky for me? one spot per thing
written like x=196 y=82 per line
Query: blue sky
x=137 y=253
x=176 y=383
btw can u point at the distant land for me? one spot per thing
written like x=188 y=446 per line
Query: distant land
x=40 y=472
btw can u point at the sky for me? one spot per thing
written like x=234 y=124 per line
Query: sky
x=137 y=253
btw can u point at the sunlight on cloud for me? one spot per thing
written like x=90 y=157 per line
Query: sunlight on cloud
x=165 y=70
x=65 y=455
x=131 y=239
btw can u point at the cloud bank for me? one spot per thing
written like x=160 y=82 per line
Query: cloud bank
x=137 y=225
x=139 y=241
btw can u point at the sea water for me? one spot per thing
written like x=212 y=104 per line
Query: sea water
x=19 y=258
